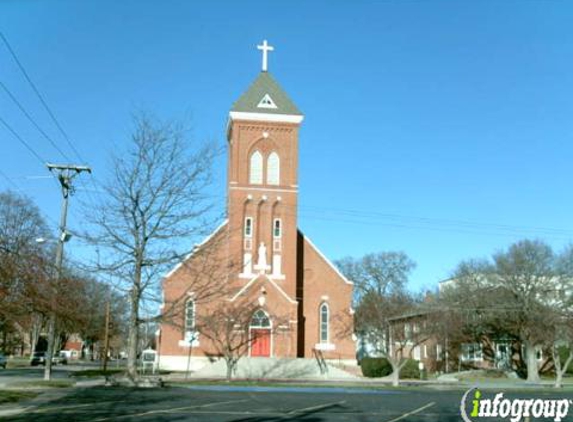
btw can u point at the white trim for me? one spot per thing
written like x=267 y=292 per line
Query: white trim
x=246 y=286
x=336 y=270
x=265 y=117
x=263 y=189
x=266 y=99
x=195 y=249
x=324 y=346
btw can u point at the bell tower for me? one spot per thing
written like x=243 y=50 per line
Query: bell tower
x=262 y=181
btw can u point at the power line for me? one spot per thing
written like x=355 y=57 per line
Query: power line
x=10 y=181
x=48 y=110
x=38 y=94
x=29 y=117
x=22 y=141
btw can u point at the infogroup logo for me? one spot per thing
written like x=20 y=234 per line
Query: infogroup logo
x=512 y=409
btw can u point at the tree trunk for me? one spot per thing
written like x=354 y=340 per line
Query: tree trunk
x=531 y=361
x=395 y=372
x=560 y=370
x=133 y=335
x=230 y=368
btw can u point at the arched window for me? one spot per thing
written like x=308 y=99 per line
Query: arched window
x=190 y=316
x=256 y=170
x=260 y=320
x=324 y=322
x=273 y=169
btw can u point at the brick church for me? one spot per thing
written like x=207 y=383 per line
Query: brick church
x=299 y=303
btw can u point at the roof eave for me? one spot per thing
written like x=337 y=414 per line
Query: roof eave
x=266 y=117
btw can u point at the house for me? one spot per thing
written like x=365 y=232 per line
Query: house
x=301 y=303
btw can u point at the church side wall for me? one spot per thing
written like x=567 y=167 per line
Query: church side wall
x=322 y=284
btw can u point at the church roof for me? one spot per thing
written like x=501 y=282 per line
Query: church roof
x=265 y=96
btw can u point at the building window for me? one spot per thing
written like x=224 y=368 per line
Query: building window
x=438 y=352
x=249 y=227
x=256 y=171
x=472 y=352
x=273 y=169
x=190 y=316
x=260 y=320
x=277 y=229
x=324 y=323
x=407 y=331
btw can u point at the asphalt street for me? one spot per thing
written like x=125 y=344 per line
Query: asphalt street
x=30 y=373
x=251 y=405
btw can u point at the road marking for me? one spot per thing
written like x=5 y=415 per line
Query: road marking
x=413 y=412
x=151 y=412
x=319 y=407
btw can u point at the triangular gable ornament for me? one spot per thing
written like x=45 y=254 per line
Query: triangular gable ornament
x=267 y=102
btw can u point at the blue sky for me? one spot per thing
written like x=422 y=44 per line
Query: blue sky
x=440 y=128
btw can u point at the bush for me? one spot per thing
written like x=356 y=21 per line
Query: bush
x=380 y=367
x=375 y=367
x=410 y=370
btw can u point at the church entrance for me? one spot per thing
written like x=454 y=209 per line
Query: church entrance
x=260 y=331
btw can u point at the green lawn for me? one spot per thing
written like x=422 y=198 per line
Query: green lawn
x=43 y=384
x=14 y=396
x=18 y=362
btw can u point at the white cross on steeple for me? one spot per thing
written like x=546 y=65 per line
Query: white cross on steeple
x=265 y=48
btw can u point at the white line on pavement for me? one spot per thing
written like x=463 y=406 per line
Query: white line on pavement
x=413 y=412
x=319 y=407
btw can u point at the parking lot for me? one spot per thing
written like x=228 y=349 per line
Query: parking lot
x=249 y=405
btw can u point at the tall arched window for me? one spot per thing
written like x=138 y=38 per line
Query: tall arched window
x=256 y=170
x=324 y=322
x=190 y=316
x=273 y=169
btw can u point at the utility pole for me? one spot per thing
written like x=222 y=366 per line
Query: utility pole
x=106 y=339
x=65 y=174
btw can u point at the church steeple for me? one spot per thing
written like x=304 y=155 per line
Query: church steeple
x=267 y=97
x=263 y=185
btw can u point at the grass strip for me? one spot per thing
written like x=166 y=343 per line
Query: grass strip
x=43 y=384
x=8 y=396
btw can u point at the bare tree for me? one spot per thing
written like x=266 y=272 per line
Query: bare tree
x=562 y=347
x=23 y=265
x=228 y=329
x=383 y=306
x=382 y=273
x=394 y=325
x=154 y=205
x=561 y=337
x=513 y=296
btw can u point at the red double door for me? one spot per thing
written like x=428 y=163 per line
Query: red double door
x=261 y=345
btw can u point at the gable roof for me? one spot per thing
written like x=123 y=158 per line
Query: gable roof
x=264 y=88
x=270 y=280
x=325 y=259
x=195 y=249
